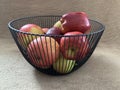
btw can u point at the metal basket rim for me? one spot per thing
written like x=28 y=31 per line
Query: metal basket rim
x=28 y=33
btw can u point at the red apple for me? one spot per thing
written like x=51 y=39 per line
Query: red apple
x=45 y=30
x=32 y=28
x=74 y=47
x=75 y=21
x=25 y=39
x=43 y=51
x=87 y=32
x=54 y=31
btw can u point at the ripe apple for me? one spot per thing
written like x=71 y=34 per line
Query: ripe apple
x=43 y=51
x=45 y=30
x=88 y=31
x=58 y=24
x=25 y=39
x=63 y=65
x=54 y=31
x=74 y=47
x=75 y=21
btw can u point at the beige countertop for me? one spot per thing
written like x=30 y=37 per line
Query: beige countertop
x=100 y=72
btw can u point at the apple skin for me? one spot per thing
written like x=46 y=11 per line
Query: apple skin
x=58 y=24
x=63 y=65
x=25 y=39
x=43 y=51
x=74 y=47
x=55 y=31
x=45 y=30
x=88 y=31
x=32 y=28
x=75 y=21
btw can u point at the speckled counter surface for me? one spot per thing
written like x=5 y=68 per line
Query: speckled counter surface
x=101 y=71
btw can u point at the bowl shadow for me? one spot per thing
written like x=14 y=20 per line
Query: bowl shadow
x=94 y=72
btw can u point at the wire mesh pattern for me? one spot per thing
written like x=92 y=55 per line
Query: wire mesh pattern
x=54 y=54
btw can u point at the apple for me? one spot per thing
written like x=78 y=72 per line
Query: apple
x=45 y=30
x=43 y=51
x=25 y=39
x=54 y=31
x=74 y=47
x=88 y=31
x=63 y=65
x=58 y=24
x=75 y=21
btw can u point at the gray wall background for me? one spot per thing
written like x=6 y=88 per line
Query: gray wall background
x=105 y=11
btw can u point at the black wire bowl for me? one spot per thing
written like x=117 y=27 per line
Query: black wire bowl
x=62 y=67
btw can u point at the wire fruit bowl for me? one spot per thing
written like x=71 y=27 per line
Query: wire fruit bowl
x=46 y=54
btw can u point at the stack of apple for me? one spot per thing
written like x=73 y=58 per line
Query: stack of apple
x=61 y=45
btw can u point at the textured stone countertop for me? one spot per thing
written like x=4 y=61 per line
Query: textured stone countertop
x=100 y=72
